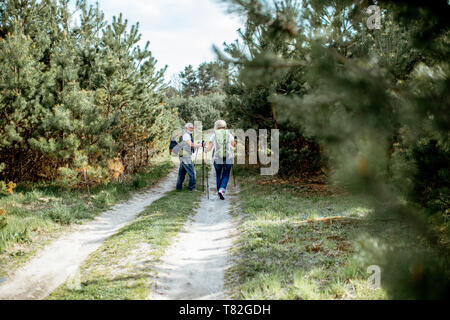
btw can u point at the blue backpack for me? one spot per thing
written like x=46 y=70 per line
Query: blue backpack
x=174 y=143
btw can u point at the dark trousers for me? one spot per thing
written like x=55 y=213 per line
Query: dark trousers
x=222 y=175
x=190 y=170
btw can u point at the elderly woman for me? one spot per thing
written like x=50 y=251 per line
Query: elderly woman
x=222 y=141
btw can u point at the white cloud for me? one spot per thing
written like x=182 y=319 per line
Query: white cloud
x=180 y=32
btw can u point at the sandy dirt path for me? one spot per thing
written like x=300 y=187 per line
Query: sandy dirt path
x=193 y=267
x=61 y=259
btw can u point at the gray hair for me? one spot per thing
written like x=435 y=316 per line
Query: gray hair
x=188 y=125
x=220 y=124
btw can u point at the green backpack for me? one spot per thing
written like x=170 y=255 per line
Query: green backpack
x=221 y=143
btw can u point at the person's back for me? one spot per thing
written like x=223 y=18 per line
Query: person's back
x=223 y=149
x=222 y=141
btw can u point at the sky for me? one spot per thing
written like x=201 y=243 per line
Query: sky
x=181 y=32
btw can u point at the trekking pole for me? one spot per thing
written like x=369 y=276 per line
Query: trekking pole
x=234 y=179
x=207 y=180
x=195 y=158
x=207 y=175
x=203 y=166
x=232 y=169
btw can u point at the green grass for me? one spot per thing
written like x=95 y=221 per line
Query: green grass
x=122 y=268
x=37 y=213
x=298 y=244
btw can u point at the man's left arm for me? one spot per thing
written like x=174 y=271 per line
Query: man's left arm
x=193 y=145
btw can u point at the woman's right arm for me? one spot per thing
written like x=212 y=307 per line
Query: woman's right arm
x=233 y=141
x=210 y=146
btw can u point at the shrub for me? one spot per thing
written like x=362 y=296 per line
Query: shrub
x=3 y=218
x=7 y=188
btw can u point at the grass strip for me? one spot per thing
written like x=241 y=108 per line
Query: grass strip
x=38 y=213
x=122 y=268
x=298 y=246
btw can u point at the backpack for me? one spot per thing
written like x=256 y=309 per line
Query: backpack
x=222 y=138
x=174 y=143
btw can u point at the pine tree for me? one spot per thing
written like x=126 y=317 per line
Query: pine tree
x=211 y=77
x=19 y=81
x=76 y=97
x=375 y=100
x=189 y=82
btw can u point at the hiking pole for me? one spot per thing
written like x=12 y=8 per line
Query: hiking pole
x=232 y=168
x=207 y=179
x=207 y=176
x=234 y=179
x=203 y=166
x=195 y=158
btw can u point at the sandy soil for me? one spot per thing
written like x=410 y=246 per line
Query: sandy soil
x=193 y=267
x=61 y=259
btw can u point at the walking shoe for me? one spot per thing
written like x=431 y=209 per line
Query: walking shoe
x=221 y=195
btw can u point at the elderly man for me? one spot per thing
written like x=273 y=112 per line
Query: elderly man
x=187 y=147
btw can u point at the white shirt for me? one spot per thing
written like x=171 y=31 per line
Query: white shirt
x=186 y=137
x=187 y=157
